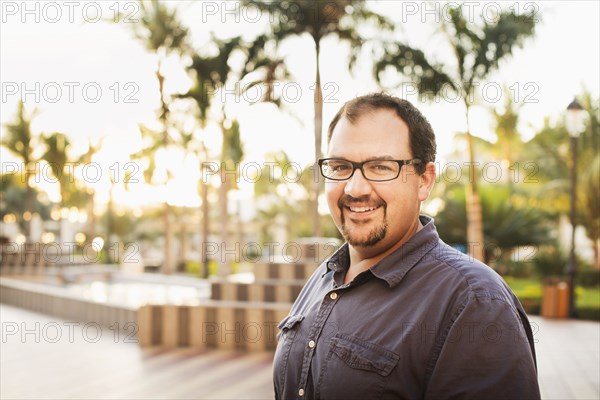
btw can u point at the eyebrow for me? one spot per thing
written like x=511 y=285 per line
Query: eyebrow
x=374 y=158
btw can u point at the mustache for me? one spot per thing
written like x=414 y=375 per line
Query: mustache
x=347 y=201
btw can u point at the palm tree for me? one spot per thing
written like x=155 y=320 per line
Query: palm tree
x=317 y=20
x=591 y=206
x=231 y=155
x=478 y=50
x=550 y=150
x=209 y=74
x=509 y=222
x=264 y=69
x=508 y=139
x=13 y=191
x=508 y=144
x=589 y=185
x=162 y=33
x=56 y=156
x=188 y=144
x=19 y=141
x=275 y=197
x=89 y=192
x=548 y=179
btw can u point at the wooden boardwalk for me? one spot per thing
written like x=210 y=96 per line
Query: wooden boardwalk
x=43 y=357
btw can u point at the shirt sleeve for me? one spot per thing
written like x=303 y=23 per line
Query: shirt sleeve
x=485 y=354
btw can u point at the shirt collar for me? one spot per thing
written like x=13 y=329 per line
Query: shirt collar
x=395 y=266
x=339 y=260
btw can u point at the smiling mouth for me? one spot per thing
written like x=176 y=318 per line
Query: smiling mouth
x=361 y=209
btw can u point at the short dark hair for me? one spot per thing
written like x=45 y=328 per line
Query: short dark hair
x=421 y=136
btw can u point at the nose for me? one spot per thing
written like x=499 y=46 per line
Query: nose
x=357 y=185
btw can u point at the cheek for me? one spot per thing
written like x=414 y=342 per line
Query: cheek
x=333 y=192
x=399 y=200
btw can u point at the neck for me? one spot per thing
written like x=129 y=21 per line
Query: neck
x=362 y=258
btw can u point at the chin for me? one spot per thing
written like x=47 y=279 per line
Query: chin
x=366 y=240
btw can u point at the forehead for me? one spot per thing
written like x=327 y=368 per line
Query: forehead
x=374 y=134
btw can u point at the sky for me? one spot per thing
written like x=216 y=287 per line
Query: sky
x=95 y=82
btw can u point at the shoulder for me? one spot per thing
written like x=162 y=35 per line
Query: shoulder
x=478 y=280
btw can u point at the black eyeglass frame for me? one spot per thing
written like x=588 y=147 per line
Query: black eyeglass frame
x=359 y=165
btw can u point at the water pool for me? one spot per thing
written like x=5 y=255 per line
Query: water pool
x=136 y=294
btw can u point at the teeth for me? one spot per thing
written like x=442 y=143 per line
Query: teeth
x=361 y=209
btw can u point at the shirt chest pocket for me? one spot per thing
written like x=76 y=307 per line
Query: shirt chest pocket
x=355 y=369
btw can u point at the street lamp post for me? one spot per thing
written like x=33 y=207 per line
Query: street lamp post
x=574 y=122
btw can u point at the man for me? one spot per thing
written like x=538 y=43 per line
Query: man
x=395 y=313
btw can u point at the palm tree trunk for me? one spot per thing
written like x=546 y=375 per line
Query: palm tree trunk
x=168 y=262
x=205 y=229
x=183 y=240
x=91 y=198
x=475 y=238
x=596 y=255
x=318 y=102
x=109 y=226
x=167 y=267
x=92 y=217
x=240 y=225
x=28 y=206
x=224 y=223
x=205 y=217
x=507 y=159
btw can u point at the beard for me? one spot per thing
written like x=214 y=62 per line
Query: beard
x=373 y=237
x=362 y=239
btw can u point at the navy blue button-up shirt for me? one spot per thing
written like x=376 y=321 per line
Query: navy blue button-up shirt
x=426 y=322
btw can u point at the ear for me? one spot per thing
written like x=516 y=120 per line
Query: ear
x=426 y=181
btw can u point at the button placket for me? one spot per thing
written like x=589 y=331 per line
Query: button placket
x=315 y=331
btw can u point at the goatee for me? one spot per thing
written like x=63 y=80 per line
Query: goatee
x=375 y=235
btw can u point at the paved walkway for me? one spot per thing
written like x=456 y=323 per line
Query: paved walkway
x=568 y=354
x=46 y=358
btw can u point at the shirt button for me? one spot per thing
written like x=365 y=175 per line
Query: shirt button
x=333 y=296
x=301 y=392
x=311 y=344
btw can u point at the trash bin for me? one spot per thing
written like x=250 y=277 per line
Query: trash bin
x=555 y=298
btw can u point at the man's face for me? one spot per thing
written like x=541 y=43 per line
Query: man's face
x=374 y=216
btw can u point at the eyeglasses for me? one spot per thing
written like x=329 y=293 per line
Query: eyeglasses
x=338 y=169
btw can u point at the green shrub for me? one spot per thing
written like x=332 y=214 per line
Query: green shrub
x=530 y=294
x=193 y=268
x=591 y=313
x=550 y=261
x=531 y=305
x=517 y=269
x=587 y=302
x=588 y=278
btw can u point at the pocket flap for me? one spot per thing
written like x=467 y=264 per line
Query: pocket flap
x=289 y=322
x=360 y=354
